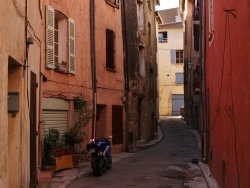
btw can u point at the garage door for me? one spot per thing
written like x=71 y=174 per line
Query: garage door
x=177 y=102
x=55 y=119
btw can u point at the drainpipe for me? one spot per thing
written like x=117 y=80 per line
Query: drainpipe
x=202 y=82
x=125 y=61
x=93 y=64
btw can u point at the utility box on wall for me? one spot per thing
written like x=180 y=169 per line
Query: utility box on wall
x=13 y=102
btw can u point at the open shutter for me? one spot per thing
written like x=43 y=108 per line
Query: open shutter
x=71 y=32
x=173 y=56
x=50 y=17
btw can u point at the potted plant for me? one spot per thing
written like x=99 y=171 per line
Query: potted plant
x=50 y=140
x=75 y=136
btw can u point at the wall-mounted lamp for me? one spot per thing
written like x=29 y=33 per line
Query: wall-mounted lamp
x=190 y=65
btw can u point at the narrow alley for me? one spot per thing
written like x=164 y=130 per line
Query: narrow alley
x=167 y=164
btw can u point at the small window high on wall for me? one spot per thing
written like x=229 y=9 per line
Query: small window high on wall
x=163 y=37
x=110 y=49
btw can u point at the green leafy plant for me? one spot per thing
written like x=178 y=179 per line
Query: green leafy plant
x=75 y=136
x=50 y=140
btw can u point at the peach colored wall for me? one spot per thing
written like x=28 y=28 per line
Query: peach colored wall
x=109 y=84
x=65 y=85
x=14 y=131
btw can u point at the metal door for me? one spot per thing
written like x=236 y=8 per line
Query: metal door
x=177 y=102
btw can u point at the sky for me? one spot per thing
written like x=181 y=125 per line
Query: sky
x=166 y=4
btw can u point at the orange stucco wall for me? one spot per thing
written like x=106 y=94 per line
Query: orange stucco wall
x=228 y=91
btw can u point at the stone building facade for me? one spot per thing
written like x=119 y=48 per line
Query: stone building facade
x=140 y=71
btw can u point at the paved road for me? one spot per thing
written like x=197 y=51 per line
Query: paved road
x=165 y=165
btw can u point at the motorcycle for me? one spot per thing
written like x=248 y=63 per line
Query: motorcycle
x=100 y=153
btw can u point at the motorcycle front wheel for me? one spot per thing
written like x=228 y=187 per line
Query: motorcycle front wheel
x=97 y=165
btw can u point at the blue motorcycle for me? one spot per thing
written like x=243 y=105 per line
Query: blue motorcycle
x=100 y=153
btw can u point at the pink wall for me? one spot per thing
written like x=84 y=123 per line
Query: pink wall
x=228 y=82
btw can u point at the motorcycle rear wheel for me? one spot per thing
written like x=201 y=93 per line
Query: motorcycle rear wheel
x=109 y=166
x=97 y=165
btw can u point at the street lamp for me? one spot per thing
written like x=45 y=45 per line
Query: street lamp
x=190 y=65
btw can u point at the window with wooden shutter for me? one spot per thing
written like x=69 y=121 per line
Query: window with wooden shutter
x=176 y=56
x=173 y=56
x=179 y=78
x=110 y=49
x=71 y=43
x=50 y=17
x=196 y=34
x=179 y=56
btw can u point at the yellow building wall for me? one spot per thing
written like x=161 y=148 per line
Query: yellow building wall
x=166 y=70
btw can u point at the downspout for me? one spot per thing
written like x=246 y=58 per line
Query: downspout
x=206 y=144
x=125 y=65
x=93 y=65
x=202 y=81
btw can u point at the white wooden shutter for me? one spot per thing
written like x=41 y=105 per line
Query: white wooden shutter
x=173 y=56
x=71 y=32
x=50 y=17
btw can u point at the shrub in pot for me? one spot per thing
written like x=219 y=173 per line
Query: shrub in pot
x=75 y=136
x=50 y=140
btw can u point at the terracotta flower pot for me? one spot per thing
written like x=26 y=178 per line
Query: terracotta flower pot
x=75 y=159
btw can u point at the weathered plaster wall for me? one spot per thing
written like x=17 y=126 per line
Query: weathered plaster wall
x=141 y=88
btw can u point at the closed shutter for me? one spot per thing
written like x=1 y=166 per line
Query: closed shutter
x=110 y=49
x=50 y=17
x=57 y=119
x=179 y=78
x=173 y=56
x=177 y=103
x=196 y=34
x=71 y=32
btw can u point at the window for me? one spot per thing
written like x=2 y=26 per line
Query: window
x=176 y=56
x=179 y=78
x=196 y=13
x=142 y=61
x=114 y=3
x=149 y=5
x=196 y=33
x=140 y=16
x=110 y=36
x=60 y=41
x=163 y=37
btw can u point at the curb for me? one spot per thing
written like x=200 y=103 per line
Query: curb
x=154 y=141
x=210 y=180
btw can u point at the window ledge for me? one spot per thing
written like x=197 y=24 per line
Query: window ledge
x=112 y=4
x=110 y=69
x=61 y=71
